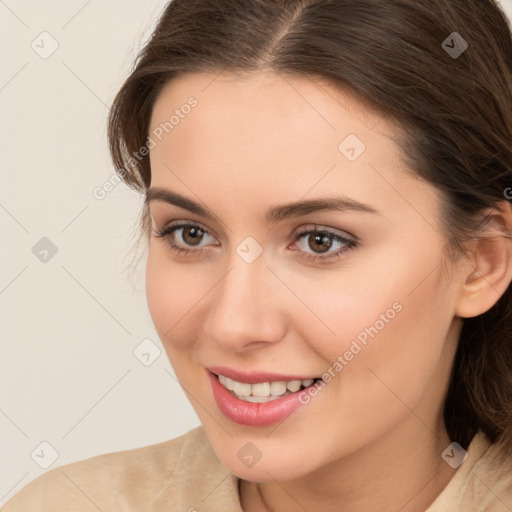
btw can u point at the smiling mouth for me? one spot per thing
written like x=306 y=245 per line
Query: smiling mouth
x=262 y=392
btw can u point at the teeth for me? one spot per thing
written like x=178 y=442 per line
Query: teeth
x=278 y=388
x=241 y=388
x=293 y=385
x=260 y=389
x=263 y=391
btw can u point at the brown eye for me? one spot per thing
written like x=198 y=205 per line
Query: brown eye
x=185 y=237
x=192 y=235
x=319 y=242
x=320 y=245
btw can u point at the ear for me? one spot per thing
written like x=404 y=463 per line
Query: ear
x=489 y=271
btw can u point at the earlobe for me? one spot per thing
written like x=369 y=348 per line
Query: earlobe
x=490 y=273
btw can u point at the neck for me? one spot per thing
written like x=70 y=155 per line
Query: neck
x=402 y=470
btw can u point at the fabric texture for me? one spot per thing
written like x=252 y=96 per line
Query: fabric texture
x=184 y=475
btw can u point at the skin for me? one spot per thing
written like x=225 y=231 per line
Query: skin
x=372 y=438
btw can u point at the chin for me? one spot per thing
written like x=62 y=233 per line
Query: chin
x=268 y=472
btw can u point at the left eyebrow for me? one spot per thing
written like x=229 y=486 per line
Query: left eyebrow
x=300 y=208
x=274 y=214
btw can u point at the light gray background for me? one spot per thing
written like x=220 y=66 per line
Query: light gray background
x=70 y=324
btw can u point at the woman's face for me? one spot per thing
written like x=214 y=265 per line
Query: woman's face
x=269 y=284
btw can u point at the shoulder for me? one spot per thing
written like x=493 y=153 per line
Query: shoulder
x=490 y=481
x=136 y=479
x=483 y=482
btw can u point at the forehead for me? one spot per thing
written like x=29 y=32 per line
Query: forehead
x=272 y=93
x=265 y=121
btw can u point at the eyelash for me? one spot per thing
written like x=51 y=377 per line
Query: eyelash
x=168 y=231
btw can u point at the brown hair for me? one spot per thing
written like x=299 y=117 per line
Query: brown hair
x=455 y=112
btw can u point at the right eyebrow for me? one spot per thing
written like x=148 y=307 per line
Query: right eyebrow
x=167 y=196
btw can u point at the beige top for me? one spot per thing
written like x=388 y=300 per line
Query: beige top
x=185 y=475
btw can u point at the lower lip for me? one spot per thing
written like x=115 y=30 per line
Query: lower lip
x=253 y=414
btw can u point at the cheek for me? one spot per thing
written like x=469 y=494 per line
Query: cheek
x=388 y=314
x=171 y=290
x=391 y=341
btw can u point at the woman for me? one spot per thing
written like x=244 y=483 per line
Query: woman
x=327 y=213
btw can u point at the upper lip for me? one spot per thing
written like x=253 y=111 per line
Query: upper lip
x=255 y=377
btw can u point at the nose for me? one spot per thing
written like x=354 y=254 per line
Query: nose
x=245 y=310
